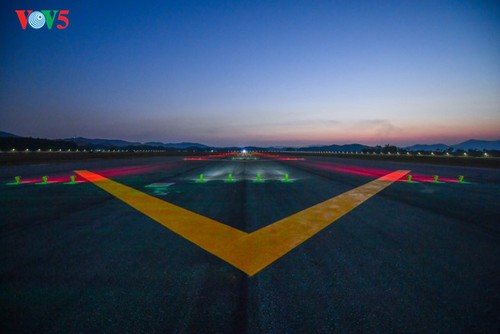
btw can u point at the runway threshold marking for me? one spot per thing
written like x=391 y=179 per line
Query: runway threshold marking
x=249 y=252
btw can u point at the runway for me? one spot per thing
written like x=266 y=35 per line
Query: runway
x=130 y=246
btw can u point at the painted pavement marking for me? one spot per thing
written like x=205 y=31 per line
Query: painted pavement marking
x=249 y=252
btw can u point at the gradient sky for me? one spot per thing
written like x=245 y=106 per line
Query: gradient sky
x=255 y=72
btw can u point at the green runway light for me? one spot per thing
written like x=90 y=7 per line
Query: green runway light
x=201 y=179
x=436 y=178
x=286 y=178
x=72 y=179
x=230 y=177
x=410 y=179
x=461 y=178
x=45 y=180
x=17 y=180
x=259 y=177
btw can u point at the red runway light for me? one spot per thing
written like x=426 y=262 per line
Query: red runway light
x=371 y=172
x=195 y=159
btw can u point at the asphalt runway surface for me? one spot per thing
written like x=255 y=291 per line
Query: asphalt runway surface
x=414 y=257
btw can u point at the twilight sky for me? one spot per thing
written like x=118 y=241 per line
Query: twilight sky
x=254 y=72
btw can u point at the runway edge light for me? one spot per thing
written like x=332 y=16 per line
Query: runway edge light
x=436 y=178
x=461 y=178
x=72 y=180
x=45 y=180
x=17 y=180
x=410 y=179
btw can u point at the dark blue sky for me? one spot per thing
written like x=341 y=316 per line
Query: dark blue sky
x=255 y=72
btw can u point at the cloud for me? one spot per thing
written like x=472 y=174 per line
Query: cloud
x=300 y=123
x=379 y=127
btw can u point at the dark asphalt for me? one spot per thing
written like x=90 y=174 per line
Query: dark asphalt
x=417 y=257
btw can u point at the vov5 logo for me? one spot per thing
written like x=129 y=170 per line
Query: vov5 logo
x=37 y=19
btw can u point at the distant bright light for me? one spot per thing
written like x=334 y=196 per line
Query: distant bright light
x=243 y=151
